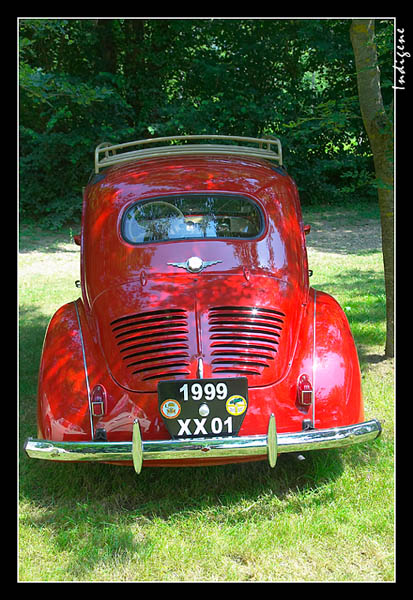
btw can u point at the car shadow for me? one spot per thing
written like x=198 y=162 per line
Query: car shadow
x=168 y=491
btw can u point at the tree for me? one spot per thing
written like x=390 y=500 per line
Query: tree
x=85 y=81
x=379 y=127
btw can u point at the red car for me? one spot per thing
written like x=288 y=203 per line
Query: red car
x=198 y=339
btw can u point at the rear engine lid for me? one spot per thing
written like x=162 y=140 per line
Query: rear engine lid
x=160 y=330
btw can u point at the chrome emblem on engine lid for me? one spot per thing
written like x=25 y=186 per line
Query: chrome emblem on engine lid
x=195 y=264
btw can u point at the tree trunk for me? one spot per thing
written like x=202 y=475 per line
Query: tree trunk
x=379 y=129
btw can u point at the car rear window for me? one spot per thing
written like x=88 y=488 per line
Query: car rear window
x=192 y=216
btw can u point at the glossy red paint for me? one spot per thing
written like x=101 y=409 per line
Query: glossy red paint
x=129 y=291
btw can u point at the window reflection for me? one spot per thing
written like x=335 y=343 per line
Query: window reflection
x=192 y=216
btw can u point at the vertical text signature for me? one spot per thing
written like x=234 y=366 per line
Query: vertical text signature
x=399 y=60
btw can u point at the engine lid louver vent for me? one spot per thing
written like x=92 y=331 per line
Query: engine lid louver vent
x=154 y=344
x=244 y=340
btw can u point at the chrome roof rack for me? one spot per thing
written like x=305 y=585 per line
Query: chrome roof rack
x=107 y=154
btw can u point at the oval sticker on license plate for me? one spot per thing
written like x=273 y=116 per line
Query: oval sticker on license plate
x=203 y=407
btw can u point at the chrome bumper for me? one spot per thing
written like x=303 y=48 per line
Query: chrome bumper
x=269 y=445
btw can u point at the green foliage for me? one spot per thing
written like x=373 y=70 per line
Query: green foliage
x=84 y=81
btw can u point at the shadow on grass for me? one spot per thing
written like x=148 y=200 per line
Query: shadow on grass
x=108 y=492
x=32 y=329
x=108 y=513
x=33 y=238
x=350 y=229
x=363 y=300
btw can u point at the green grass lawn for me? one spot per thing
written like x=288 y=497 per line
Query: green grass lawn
x=327 y=518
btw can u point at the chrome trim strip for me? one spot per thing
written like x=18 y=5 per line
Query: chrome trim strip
x=314 y=355
x=85 y=368
x=197 y=448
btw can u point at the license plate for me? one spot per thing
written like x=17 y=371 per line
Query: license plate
x=203 y=407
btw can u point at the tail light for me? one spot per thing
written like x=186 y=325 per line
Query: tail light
x=304 y=391
x=98 y=401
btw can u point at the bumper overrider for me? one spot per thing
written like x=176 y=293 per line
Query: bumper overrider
x=269 y=445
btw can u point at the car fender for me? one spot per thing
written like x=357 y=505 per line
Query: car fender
x=63 y=398
x=336 y=371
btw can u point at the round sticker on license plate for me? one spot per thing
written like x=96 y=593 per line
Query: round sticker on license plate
x=236 y=405
x=203 y=407
x=170 y=409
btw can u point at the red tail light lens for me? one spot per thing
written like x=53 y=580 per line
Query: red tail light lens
x=98 y=401
x=304 y=390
